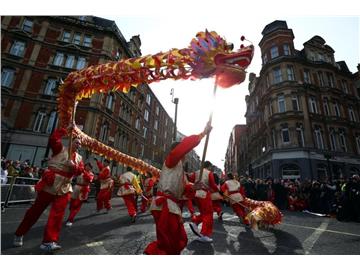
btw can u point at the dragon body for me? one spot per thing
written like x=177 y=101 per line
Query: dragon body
x=208 y=55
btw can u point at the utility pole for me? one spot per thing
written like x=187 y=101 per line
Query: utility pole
x=176 y=102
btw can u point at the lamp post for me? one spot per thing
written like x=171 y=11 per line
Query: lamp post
x=176 y=102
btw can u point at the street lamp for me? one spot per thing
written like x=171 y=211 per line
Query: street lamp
x=176 y=102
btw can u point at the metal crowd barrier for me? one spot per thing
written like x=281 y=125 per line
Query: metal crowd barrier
x=18 y=190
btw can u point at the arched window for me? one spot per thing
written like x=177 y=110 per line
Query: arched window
x=290 y=171
x=52 y=123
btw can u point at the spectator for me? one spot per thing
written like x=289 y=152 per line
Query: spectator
x=4 y=172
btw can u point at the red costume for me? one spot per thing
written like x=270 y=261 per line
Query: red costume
x=170 y=232
x=216 y=203
x=148 y=186
x=127 y=191
x=232 y=189
x=106 y=187
x=80 y=193
x=53 y=188
x=203 y=200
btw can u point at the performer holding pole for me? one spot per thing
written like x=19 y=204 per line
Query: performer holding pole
x=170 y=232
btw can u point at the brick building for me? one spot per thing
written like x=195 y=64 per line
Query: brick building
x=37 y=52
x=303 y=110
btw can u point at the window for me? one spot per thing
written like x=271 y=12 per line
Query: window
x=141 y=150
x=77 y=38
x=87 y=41
x=157 y=110
x=337 y=109
x=265 y=59
x=7 y=77
x=326 y=106
x=330 y=78
x=148 y=99
x=321 y=78
x=17 y=48
x=50 y=87
x=145 y=132
x=274 y=52
x=300 y=136
x=332 y=140
x=156 y=124
x=154 y=139
x=58 y=59
x=109 y=101
x=125 y=142
x=307 y=76
x=70 y=59
x=66 y=36
x=52 y=122
x=290 y=73
x=286 y=49
x=344 y=86
x=313 y=107
x=281 y=104
x=342 y=141
x=27 y=25
x=104 y=132
x=358 y=143
x=277 y=75
x=38 y=121
x=295 y=103
x=146 y=115
x=352 y=114
x=285 y=135
x=81 y=63
x=319 y=138
x=165 y=134
x=166 y=122
x=137 y=123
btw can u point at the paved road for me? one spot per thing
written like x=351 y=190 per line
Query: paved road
x=113 y=233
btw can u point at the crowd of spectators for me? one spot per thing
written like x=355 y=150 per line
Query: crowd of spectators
x=16 y=168
x=339 y=198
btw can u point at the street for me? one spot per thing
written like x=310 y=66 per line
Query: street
x=113 y=233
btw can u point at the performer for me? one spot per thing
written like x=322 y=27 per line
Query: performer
x=186 y=199
x=170 y=232
x=232 y=189
x=103 y=199
x=129 y=186
x=217 y=198
x=80 y=192
x=53 y=188
x=148 y=187
x=204 y=187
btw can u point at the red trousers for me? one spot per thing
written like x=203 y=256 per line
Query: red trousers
x=75 y=205
x=130 y=204
x=206 y=215
x=145 y=204
x=56 y=215
x=103 y=199
x=171 y=237
x=188 y=204
x=217 y=206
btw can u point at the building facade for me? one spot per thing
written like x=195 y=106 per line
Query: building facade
x=303 y=118
x=236 y=154
x=37 y=53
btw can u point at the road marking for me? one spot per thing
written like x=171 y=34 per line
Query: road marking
x=98 y=248
x=320 y=229
x=309 y=243
x=95 y=244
